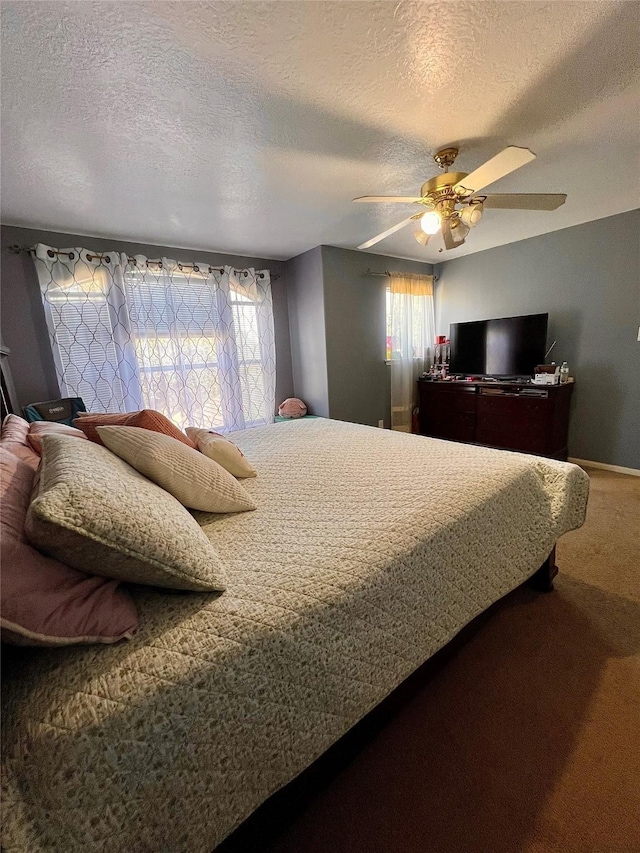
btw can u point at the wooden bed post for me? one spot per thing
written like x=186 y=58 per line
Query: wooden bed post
x=542 y=581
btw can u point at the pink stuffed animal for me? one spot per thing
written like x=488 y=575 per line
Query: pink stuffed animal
x=292 y=408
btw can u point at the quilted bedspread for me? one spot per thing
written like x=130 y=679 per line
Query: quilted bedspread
x=368 y=552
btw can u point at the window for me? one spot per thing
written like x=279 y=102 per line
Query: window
x=410 y=337
x=407 y=325
x=174 y=326
x=389 y=336
x=194 y=343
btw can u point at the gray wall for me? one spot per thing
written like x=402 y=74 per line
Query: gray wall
x=338 y=332
x=355 y=320
x=588 y=279
x=308 y=340
x=22 y=319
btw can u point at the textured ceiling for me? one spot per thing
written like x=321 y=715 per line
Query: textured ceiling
x=247 y=127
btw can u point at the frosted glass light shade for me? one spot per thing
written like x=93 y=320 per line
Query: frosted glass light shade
x=430 y=222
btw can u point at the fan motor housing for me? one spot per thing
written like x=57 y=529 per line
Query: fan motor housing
x=440 y=183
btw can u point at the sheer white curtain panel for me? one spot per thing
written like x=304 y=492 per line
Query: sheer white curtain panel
x=89 y=332
x=412 y=327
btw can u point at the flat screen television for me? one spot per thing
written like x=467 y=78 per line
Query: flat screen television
x=505 y=347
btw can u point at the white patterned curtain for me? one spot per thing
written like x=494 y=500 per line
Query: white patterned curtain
x=192 y=341
x=412 y=332
x=84 y=304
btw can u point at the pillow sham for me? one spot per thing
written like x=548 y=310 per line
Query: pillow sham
x=43 y=602
x=88 y=422
x=222 y=451
x=145 y=419
x=99 y=515
x=194 y=480
x=39 y=428
x=13 y=437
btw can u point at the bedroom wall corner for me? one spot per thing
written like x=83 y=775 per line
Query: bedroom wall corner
x=338 y=327
x=305 y=289
x=355 y=319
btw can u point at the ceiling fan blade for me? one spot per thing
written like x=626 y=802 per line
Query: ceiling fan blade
x=526 y=201
x=497 y=167
x=393 y=199
x=388 y=232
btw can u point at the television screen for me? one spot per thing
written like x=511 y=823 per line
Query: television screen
x=509 y=346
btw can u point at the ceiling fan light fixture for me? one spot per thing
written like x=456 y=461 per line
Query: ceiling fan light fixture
x=453 y=202
x=454 y=232
x=431 y=222
x=471 y=213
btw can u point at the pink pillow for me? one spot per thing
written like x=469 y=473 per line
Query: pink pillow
x=44 y=602
x=39 y=428
x=292 y=408
x=14 y=439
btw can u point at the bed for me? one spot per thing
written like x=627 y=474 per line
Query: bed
x=369 y=551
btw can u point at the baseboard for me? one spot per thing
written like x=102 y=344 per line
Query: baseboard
x=619 y=469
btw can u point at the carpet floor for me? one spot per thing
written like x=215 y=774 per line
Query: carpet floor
x=528 y=741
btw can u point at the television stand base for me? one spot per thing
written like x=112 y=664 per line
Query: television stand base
x=508 y=415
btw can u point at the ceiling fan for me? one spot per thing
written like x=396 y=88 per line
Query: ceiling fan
x=450 y=199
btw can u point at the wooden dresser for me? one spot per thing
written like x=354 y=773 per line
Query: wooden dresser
x=510 y=415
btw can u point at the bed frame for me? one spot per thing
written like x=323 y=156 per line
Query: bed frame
x=281 y=809
x=542 y=581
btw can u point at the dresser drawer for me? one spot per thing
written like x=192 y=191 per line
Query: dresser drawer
x=448 y=397
x=517 y=410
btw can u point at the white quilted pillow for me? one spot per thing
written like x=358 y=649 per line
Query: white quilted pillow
x=222 y=451
x=192 y=478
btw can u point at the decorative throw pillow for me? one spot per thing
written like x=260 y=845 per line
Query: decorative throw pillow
x=88 y=423
x=292 y=408
x=14 y=439
x=39 y=428
x=197 y=482
x=100 y=516
x=45 y=603
x=145 y=419
x=222 y=451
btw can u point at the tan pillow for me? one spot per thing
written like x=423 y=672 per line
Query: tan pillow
x=194 y=480
x=222 y=451
x=94 y=512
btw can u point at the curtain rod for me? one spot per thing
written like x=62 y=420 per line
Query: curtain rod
x=90 y=255
x=389 y=274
